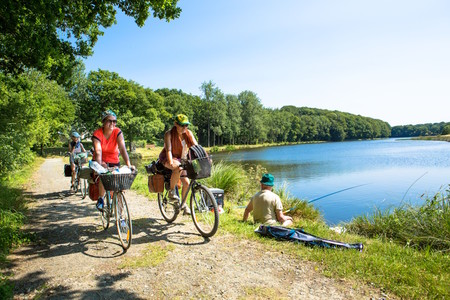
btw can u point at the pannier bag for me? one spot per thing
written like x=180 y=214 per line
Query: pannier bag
x=85 y=173
x=199 y=164
x=300 y=236
x=93 y=188
x=156 y=183
x=67 y=171
x=93 y=191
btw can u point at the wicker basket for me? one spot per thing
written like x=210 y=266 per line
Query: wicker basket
x=117 y=182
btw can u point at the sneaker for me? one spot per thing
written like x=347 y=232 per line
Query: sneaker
x=100 y=204
x=186 y=210
x=173 y=195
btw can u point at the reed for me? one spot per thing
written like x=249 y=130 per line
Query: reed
x=423 y=226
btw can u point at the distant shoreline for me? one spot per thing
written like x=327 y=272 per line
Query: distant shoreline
x=444 y=138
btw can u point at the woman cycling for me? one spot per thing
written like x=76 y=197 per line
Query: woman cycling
x=108 y=141
x=76 y=152
x=177 y=142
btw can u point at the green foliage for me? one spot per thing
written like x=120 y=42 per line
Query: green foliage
x=425 y=227
x=446 y=130
x=32 y=111
x=49 y=35
x=136 y=108
x=420 y=129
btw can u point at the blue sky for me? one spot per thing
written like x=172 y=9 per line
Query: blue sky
x=388 y=60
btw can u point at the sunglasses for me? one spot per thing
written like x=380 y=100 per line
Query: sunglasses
x=111 y=121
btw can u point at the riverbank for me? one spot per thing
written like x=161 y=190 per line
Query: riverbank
x=444 y=138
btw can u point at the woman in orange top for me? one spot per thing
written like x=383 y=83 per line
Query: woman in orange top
x=108 y=142
x=177 y=142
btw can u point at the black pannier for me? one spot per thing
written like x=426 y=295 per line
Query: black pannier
x=67 y=170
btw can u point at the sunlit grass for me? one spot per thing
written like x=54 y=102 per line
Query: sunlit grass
x=153 y=255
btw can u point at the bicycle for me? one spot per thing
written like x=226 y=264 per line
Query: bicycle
x=79 y=184
x=203 y=205
x=117 y=204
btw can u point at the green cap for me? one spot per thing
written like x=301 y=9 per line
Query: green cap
x=182 y=119
x=267 y=179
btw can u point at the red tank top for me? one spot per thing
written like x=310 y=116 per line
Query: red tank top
x=110 y=149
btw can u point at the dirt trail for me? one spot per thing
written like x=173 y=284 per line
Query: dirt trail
x=77 y=259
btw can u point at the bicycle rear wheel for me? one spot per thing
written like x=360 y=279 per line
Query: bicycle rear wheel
x=204 y=211
x=169 y=208
x=123 y=221
x=106 y=212
x=84 y=188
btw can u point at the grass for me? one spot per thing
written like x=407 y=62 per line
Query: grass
x=12 y=217
x=152 y=256
x=425 y=226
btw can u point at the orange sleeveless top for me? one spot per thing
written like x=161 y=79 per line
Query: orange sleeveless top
x=177 y=146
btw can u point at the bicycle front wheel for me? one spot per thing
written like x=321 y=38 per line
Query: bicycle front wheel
x=123 y=221
x=84 y=188
x=169 y=208
x=204 y=211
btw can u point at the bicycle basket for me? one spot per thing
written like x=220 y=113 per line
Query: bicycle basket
x=199 y=168
x=117 y=182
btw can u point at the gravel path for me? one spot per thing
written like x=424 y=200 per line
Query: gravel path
x=76 y=259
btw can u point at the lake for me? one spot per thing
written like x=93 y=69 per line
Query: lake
x=386 y=172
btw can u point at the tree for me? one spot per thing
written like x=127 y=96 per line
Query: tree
x=233 y=119
x=210 y=93
x=252 y=118
x=32 y=111
x=446 y=130
x=137 y=117
x=49 y=35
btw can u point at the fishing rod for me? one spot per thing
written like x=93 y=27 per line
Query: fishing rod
x=321 y=197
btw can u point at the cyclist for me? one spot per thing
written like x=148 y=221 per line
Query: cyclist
x=76 y=152
x=108 y=142
x=177 y=142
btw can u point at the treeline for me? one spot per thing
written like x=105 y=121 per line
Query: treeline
x=35 y=112
x=421 y=129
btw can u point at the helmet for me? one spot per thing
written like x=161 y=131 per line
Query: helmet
x=75 y=134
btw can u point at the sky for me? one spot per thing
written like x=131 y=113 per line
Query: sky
x=383 y=59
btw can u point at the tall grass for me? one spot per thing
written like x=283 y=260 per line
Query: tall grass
x=426 y=226
x=12 y=217
x=294 y=207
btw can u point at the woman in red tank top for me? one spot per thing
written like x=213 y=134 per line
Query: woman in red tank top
x=108 y=142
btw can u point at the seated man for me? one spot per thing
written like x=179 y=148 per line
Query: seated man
x=266 y=205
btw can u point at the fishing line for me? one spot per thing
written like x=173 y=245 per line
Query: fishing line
x=412 y=185
x=321 y=197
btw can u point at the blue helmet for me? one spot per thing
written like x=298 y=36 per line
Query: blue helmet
x=75 y=134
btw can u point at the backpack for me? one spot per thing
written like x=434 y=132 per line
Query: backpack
x=300 y=236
